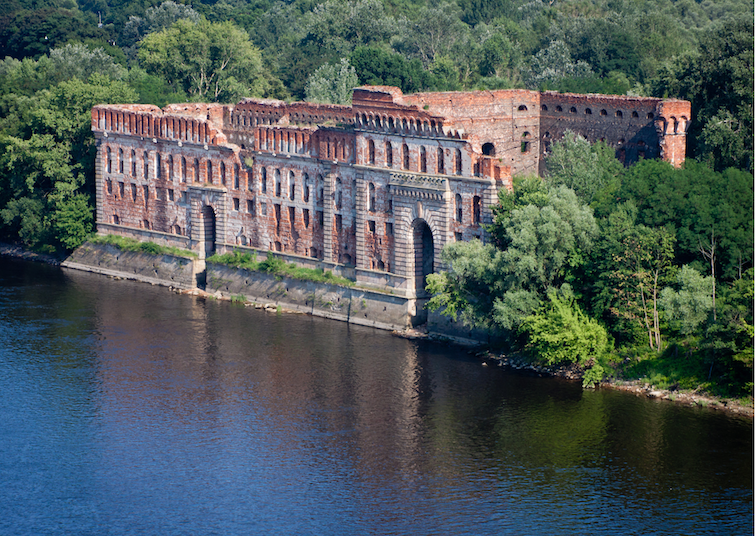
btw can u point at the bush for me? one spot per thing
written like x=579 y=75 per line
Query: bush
x=561 y=333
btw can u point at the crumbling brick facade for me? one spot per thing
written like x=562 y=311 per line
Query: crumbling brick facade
x=373 y=190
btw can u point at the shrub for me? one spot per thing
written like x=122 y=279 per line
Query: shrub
x=561 y=333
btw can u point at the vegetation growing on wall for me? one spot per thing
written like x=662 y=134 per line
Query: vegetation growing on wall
x=276 y=266
x=125 y=243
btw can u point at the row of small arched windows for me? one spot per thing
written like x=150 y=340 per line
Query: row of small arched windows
x=603 y=112
x=388 y=158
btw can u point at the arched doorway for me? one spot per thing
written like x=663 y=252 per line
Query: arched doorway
x=424 y=255
x=208 y=230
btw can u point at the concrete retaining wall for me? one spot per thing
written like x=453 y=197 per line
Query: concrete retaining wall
x=348 y=304
x=166 y=270
x=356 y=305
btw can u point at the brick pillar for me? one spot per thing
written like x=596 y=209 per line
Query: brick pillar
x=443 y=229
x=403 y=244
x=327 y=218
x=99 y=180
x=361 y=209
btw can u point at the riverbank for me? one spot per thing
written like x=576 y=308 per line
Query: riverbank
x=637 y=387
x=512 y=362
x=19 y=252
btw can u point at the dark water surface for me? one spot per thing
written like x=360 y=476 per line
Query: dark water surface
x=126 y=409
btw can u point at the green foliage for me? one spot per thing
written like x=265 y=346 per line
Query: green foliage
x=375 y=66
x=540 y=247
x=276 y=266
x=332 y=83
x=584 y=167
x=690 y=306
x=593 y=376
x=693 y=203
x=125 y=243
x=208 y=61
x=560 y=332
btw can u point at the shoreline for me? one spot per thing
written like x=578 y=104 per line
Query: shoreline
x=638 y=387
x=18 y=251
x=513 y=363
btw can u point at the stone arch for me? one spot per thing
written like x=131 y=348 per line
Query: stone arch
x=488 y=149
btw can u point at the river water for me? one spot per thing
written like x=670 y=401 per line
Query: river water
x=127 y=409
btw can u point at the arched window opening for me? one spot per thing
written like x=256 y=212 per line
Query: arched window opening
x=441 y=163
x=422 y=160
x=588 y=111
x=459 y=165
x=388 y=154
x=544 y=108
x=339 y=194
x=306 y=188
x=405 y=156
x=573 y=110
x=488 y=149
x=222 y=174
x=522 y=108
x=619 y=114
x=263 y=180
x=477 y=210
x=146 y=165
x=371 y=152
x=603 y=112
x=120 y=161
x=559 y=109
x=170 y=168
x=236 y=178
x=209 y=172
x=133 y=164
x=459 y=211
x=183 y=169
x=277 y=181
x=635 y=114
x=291 y=185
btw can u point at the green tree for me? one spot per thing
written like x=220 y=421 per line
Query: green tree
x=375 y=66
x=694 y=203
x=542 y=247
x=584 y=167
x=640 y=269
x=332 y=83
x=688 y=307
x=208 y=61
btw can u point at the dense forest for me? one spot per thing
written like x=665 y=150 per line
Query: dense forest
x=596 y=263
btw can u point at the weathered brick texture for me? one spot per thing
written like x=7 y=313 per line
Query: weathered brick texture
x=373 y=190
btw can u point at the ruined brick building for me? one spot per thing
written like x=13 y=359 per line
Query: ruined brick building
x=373 y=190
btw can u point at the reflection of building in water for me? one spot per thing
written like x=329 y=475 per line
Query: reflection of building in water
x=373 y=190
